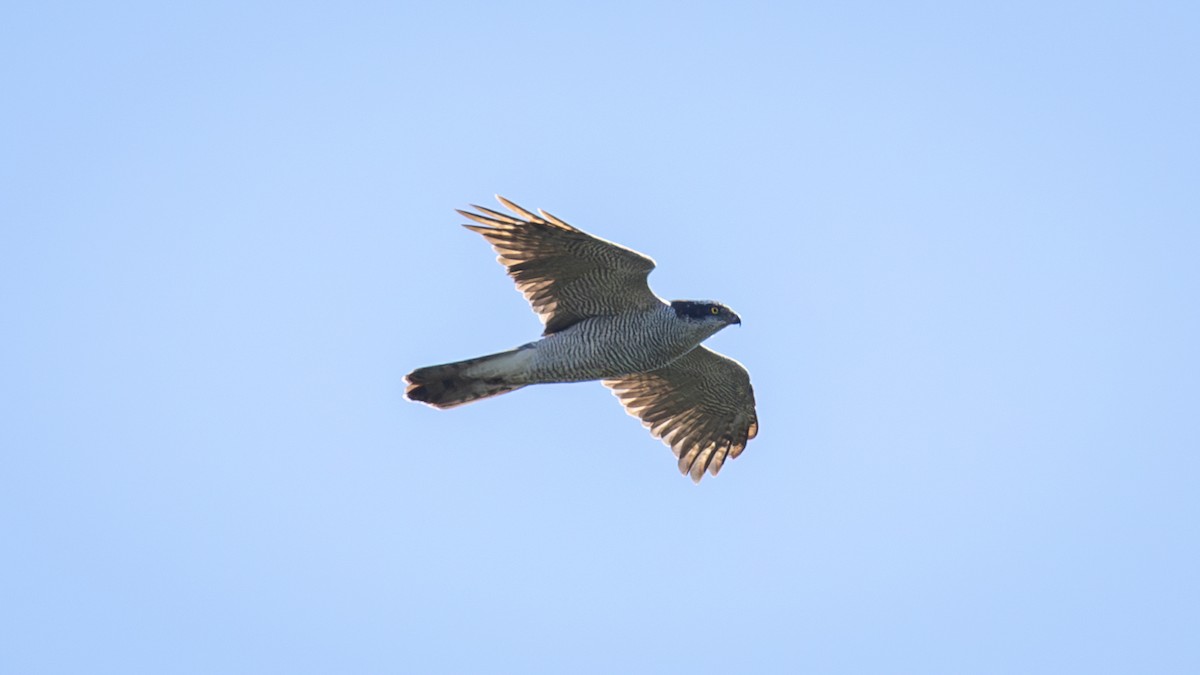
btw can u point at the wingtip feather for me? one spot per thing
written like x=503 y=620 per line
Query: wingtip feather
x=492 y=223
x=700 y=464
x=528 y=215
x=554 y=220
x=502 y=217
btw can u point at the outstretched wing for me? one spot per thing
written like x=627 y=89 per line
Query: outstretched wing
x=566 y=274
x=701 y=404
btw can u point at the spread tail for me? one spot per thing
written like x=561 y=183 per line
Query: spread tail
x=452 y=384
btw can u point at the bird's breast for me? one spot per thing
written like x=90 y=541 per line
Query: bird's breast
x=610 y=346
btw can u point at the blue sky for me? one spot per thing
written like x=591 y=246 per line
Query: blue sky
x=962 y=238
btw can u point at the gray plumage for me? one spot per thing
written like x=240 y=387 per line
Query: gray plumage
x=602 y=322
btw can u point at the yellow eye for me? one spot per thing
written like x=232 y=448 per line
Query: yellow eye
x=715 y=310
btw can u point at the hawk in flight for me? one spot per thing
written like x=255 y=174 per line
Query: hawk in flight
x=604 y=323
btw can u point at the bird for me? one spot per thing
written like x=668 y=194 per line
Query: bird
x=602 y=322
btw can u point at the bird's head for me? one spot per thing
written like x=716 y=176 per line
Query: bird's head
x=711 y=313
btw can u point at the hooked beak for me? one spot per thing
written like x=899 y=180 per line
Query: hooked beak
x=736 y=319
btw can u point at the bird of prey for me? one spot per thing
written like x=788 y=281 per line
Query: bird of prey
x=602 y=322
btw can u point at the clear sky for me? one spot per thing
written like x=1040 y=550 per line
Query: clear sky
x=963 y=238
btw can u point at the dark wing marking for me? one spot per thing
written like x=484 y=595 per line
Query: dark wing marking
x=702 y=405
x=566 y=274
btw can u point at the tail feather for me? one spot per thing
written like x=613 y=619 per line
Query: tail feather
x=453 y=384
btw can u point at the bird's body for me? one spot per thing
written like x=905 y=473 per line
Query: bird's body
x=603 y=323
x=599 y=348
